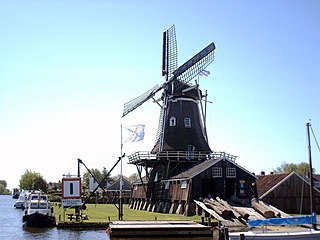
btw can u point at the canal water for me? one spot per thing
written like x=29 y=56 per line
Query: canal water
x=11 y=226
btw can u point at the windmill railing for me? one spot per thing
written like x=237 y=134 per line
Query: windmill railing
x=142 y=156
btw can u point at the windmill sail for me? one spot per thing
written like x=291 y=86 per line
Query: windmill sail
x=190 y=69
x=133 y=104
x=169 y=52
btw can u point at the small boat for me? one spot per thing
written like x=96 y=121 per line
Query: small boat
x=281 y=235
x=15 y=193
x=311 y=233
x=21 y=199
x=38 y=212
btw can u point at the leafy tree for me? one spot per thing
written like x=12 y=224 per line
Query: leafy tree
x=300 y=168
x=99 y=175
x=133 y=177
x=4 y=183
x=2 y=188
x=33 y=181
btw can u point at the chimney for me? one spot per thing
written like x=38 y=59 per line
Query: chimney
x=262 y=173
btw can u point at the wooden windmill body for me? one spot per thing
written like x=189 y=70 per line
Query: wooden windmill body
x=181 y=140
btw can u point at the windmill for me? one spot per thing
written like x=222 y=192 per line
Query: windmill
x=181 y=137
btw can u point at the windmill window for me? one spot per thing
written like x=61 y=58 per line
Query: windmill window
x=231 y=173
x=187 y=122
x=190 y=152
x=216 y=172
x=172 y=121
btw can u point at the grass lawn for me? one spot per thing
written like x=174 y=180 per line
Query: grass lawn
x=104 y=212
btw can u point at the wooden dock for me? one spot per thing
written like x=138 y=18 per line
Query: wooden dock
x=159 y=229
x=83 y=225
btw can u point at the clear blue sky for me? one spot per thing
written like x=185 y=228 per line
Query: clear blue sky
x=67 y=68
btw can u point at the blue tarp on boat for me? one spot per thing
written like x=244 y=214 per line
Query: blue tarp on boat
x=298 y=220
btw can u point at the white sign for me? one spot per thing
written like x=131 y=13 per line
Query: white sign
x=71 y=188
x=69 y=202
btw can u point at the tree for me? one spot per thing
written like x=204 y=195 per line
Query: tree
x=3 y=187
x=4 y=183
x=99 y=175
x=300 y=168
x=133 y=177
x=33 y=181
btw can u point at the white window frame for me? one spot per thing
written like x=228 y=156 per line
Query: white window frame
x=217 y=172
x=231 y=172
x=172 y=121
x=187 y=122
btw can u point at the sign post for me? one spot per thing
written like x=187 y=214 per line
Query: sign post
x=72 y=194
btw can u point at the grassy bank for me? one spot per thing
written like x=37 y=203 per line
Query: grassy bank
x=104 y=212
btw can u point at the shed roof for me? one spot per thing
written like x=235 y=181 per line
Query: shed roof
x=197 y=169
x=267 y=183
x=116 y=185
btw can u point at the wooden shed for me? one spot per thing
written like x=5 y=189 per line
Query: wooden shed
x=288 y=192
x=216 y=177
x=114 y=189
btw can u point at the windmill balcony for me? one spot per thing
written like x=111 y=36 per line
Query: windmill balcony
x=144 y=157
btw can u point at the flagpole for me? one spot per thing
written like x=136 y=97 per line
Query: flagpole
x=120 y=183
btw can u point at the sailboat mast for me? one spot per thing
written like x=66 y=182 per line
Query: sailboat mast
x=310 y=170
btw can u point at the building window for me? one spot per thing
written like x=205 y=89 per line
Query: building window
x=187 y=122
x=190 y=152
x=166 y=185
x=184 y=184
x=172 y=121
x=242 y=187
x=216 y=172
x=317 y=184
x=231 y=173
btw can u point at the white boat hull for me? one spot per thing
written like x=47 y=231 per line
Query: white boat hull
x=290 y=235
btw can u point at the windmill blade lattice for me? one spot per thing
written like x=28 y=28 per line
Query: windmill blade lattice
x=133 y=104
x=170 y=52
x=191 y=68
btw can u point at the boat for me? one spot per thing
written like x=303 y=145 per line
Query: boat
x=38 y=211
x=288 y=233
x=310 y=233
x=21 y=199
x=15 y=193
x=281 y=235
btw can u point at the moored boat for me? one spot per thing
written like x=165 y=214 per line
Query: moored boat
x=38 y=212
x=21 y=199
x=281 y=235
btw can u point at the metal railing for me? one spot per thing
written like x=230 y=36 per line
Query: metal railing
x=178 y=156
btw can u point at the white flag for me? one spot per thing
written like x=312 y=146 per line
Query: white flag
x=136 y=132
x=204 y=73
